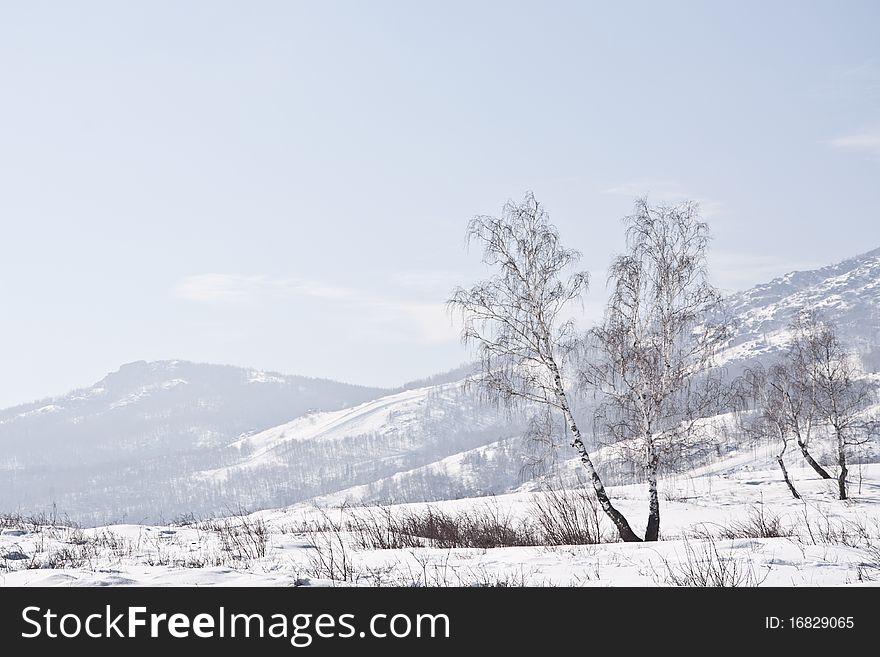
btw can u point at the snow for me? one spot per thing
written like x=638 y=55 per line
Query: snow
x=257 y=376
x=847 y=292
x=146 y=391
x=88 y=393
x=695 y=506
x=43 y=410
x=701 y=502
x=390 y=413
x=451 y=466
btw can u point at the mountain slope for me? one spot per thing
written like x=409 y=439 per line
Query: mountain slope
x=161 y=439
x=140 y=429
x=489 y=469
x=322 y=453
x=847 y=293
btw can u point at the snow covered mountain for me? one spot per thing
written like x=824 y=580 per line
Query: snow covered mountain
x=847 y=293
x=218 y=401
x=157 y=440
x=321 y=453
x=133 y=434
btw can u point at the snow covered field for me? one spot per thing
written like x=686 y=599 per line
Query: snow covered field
x=733 y=523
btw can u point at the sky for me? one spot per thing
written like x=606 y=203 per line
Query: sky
x=286 y=185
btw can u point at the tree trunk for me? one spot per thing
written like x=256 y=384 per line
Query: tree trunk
x=822 y=472
x=652 y=532
x=841 y=462
x=623 y=529
x=785 y=477
x=620 y=522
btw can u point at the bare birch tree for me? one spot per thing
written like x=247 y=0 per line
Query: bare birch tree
x=801 y=409
x=652 y=353
x=516 y=320
x=840 y=395
x=777 y=410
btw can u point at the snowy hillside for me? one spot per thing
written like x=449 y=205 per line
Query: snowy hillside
x=323 y=453
x=732 y=525
x=157 y=440
x=213 y=398
x=173 y=437
x=139 y=431
x=482 y=471
x=847 y=293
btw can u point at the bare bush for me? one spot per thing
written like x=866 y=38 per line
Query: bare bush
x=485 y=579
x=758 y=523
x=568 y=517
x=331 y=556
x=825 y=529
x=37 y=522
x=484 y=527
x=433 y=571
x=243 y=537
x=872 y=563
x=705 y=566
x=558 y=517
x=185 y=520
x=77 y=556
x=377 y=528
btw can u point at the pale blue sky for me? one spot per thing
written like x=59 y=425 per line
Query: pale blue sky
x=285 y=184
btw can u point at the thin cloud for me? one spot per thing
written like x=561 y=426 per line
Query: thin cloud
x=665 y=188
x=428 y=323
x=867 y=142
x=418 y=321
x=853 y=83
x=435 y=281
x=664 y=191
x=233 y=288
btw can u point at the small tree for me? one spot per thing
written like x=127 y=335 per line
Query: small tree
x=516 y=321
x=652 y=353
x=802 y=412
x=776 y=410
x=832 y=375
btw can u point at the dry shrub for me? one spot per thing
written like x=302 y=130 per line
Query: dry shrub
x=705 y=566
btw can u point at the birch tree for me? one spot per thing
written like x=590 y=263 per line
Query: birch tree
x=802 y=408
x=651 y=355
x=840 y=394
x=516 y=320
x=778 y=411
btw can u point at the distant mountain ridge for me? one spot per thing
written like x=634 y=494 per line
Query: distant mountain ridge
x=847 y=292
x=154 y=440
x=144 y=425
x=140 y=379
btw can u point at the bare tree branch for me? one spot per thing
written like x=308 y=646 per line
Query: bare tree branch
x=652 y=356
x=516 y=321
